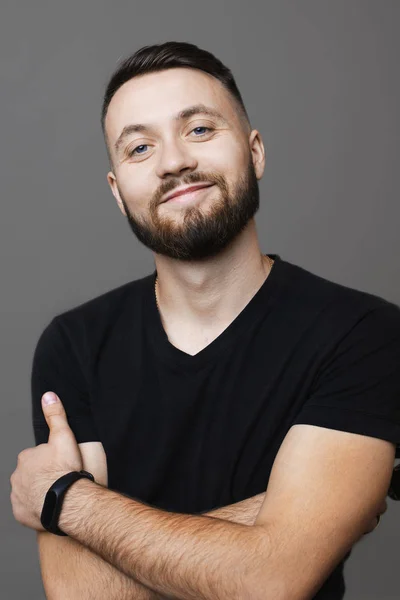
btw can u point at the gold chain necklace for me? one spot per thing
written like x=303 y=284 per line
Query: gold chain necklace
x=270 y=263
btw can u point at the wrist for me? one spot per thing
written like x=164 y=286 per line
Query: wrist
x=76 y=500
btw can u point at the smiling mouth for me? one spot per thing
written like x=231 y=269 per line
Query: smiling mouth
x=183 y=196
x=189 y=189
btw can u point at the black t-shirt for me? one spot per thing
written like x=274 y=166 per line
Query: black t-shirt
x=192 y=433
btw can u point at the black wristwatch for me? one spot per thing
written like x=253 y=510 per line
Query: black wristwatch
x=54 y=499
x=394 y=488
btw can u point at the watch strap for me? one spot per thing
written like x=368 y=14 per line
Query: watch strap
x=394 y=488
x=54 y=498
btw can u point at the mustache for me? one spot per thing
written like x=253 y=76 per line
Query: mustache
x=192 y=179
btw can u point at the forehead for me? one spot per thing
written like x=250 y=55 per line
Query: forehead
x=155 y=98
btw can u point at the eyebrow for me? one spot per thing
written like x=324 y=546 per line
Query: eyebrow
x=196 y=109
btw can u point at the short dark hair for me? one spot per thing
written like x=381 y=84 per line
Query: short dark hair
x=159 y=57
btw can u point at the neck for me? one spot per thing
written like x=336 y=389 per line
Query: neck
x=211 y=293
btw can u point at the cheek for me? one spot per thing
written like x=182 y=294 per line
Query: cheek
x=228 y=159
x=135 y=190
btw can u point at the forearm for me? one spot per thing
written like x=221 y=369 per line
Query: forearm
x=176 y=555
x=101 y=580
x=71 y=571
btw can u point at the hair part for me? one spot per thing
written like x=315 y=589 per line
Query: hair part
x=159 y=57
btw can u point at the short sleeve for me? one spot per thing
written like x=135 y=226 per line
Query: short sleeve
x=357 y=388
x=57 y=367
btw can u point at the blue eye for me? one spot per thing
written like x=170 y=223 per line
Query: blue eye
x=133 y=151
x=201 y=127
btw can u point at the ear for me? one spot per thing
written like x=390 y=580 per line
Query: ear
x=112 y=182
x=257 y=152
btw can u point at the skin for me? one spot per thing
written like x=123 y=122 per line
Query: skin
x=204 y=279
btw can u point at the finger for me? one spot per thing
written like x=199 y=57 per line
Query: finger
x=55 y=415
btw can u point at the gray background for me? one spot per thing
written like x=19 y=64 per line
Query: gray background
x=320 y=79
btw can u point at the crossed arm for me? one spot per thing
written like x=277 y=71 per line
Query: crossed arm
x=83 y=574
x=325 y=487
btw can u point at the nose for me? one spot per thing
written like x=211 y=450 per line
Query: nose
x=175 y=158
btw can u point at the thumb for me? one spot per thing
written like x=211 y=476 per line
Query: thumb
x=55 y=415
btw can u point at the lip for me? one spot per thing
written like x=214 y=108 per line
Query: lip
x=190 y=188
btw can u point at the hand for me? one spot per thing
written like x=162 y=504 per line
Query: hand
x=374 y=522
x=38 y=468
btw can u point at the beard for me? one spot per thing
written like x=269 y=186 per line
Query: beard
x=200 y=235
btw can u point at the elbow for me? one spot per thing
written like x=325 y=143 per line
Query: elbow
x=49 y=592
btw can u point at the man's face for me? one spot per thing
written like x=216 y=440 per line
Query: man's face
x=168 y=153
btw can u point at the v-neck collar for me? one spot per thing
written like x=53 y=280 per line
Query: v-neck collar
x=259 y=304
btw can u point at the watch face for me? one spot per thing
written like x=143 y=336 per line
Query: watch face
x=48 y=508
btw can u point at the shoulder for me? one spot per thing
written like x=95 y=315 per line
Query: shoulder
x=108 y=301
x=84 y=327
x=104 y=307
x=341 y=304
